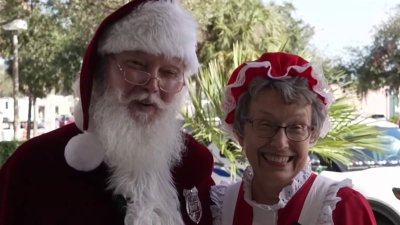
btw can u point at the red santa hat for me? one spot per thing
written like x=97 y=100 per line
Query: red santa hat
x=156 y=27
x=275 y=65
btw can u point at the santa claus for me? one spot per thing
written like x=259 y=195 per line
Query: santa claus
x=125 y=160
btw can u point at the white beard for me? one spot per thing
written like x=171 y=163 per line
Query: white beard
x=141 y=155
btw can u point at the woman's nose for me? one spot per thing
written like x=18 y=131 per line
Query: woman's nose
x=280 y=140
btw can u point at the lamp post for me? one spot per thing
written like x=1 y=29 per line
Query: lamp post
x=14 y=26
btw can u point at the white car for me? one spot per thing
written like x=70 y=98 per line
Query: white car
x=379 y=186
x=221 y=175
x=376 y=175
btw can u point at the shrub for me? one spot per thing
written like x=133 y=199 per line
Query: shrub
x=6 y=149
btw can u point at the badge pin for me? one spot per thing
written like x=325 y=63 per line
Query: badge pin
x=193 y=205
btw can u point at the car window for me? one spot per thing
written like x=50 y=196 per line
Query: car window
x=363 y=158
x=391 y=131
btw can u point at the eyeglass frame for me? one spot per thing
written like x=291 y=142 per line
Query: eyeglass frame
x=277 y=128
x=149 y=77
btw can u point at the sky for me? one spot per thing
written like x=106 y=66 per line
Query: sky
x=342 y=23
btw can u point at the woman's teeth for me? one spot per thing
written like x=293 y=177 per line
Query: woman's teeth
x=275 y=158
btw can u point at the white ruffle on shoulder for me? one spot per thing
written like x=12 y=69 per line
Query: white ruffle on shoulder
x=218 y=191
x=217 y=194
x=330 y=201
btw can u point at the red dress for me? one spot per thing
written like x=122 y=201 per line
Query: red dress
x=341 y=206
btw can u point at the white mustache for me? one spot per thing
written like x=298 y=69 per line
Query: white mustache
x=143 y=97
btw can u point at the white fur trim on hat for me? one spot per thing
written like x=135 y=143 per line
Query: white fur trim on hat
x=84 y=152
x=156 y=27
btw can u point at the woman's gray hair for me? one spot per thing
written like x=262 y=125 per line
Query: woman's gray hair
x=294 y=90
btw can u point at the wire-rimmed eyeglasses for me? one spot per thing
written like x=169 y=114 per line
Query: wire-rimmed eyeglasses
x=168 y=81
x=295 y=132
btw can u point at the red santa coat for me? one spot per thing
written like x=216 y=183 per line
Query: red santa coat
x=38 y=187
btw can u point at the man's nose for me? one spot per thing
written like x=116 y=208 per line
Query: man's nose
x=153 y=84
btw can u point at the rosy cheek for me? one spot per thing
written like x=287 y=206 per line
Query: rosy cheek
x=167 y=97
x=117 y=83
x=301 y=162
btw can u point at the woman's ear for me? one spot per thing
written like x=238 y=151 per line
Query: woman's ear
x=313 y=138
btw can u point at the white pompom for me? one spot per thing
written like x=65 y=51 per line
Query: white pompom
x=84 y=152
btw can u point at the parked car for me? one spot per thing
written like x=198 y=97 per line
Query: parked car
x=221 y=175
x=374 y=174
x=65 y=120
x=379 y=186
x=221 y=171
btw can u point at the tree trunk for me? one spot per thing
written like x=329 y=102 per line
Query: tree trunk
x=34 y=117
x=29 y=125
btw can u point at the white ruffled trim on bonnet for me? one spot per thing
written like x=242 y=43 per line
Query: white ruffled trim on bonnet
x=321 y=88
